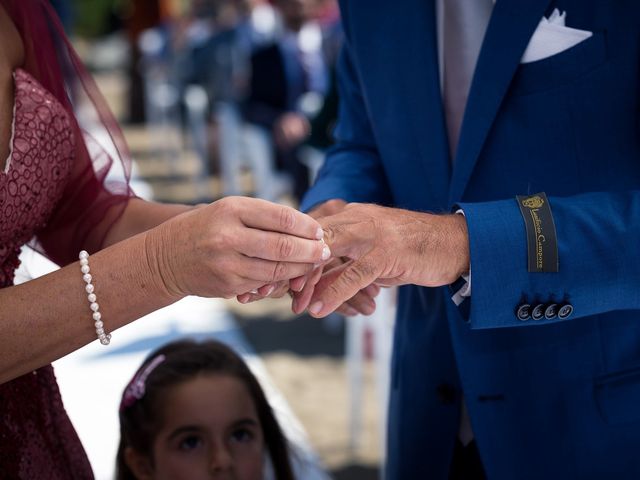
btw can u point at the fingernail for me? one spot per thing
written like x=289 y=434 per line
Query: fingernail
x=270 y=291
x=326 y=252
x=369 y=308
x=299 y=288
x=254 y=291
x=294 y=305
x=352 y=312
x=372 y=291
x=243 y=299
x=315 y=308
x=319 y=234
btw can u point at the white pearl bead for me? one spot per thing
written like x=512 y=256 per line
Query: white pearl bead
x=105 y=339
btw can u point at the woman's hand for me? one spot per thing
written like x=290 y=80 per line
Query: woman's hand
x=232 y=246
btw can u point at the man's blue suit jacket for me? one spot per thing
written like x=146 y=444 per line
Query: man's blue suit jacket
x=548 y=399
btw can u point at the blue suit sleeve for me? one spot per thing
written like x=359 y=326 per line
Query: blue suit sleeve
x=352 y=170
x=599 y=266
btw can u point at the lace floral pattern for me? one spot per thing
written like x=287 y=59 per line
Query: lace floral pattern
x=39 y=163
x=37 y=439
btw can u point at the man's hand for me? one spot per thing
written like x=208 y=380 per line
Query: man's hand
x=389 y=247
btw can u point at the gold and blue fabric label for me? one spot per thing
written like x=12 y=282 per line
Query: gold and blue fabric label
x=542 y=243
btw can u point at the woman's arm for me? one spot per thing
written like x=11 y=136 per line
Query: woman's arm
x=140 y=216
x=46 y=318
x=219 y=250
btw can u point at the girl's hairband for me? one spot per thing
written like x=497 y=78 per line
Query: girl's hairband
x=136 y=388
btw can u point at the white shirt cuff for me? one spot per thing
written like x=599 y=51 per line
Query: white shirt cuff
x=465 y=291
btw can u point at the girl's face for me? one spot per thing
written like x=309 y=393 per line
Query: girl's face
x=210 y=431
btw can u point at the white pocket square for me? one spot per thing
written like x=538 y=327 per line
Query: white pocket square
x=552 y=37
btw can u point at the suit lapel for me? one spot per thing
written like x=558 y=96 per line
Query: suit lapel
x=510 y=28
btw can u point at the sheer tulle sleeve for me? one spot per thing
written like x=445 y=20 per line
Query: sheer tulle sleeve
x=97 y=190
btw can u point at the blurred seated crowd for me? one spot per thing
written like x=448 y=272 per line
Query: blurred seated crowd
x=250 y=81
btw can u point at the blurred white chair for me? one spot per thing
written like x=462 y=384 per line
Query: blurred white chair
x=162 y=98
x=196 y=102
x=313 y=159
x=268 y=183
x=377 y=328
x=231 y=153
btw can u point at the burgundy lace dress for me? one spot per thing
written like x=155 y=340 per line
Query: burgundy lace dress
x=37 y=440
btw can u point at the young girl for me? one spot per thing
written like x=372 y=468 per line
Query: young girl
x=195 y=411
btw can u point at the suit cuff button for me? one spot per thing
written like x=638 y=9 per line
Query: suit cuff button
x=565 y=311
x=524 y=312
x=551 y=311
x=538 y=312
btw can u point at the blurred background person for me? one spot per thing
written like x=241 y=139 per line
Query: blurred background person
x=289 y=80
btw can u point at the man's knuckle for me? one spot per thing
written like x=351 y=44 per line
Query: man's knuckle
x=359 y=273
x=335 y=290
x=353 y=275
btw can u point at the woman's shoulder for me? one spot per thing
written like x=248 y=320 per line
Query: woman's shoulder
x=11 y=44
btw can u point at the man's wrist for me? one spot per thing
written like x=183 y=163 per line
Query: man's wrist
x=444 y=245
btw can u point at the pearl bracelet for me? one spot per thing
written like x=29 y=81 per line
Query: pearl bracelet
x=104 y=338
